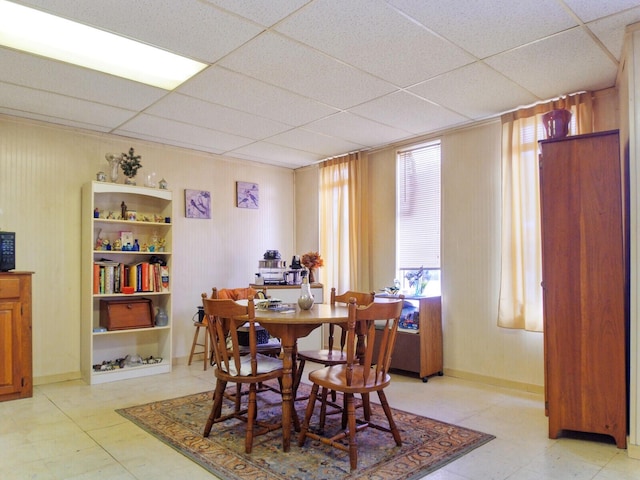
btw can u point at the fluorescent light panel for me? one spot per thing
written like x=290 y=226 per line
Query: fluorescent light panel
x=43 y=34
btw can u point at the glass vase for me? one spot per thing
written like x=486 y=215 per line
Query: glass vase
x=306 y=300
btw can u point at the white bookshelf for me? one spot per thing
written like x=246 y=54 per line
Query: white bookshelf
x=153 y=209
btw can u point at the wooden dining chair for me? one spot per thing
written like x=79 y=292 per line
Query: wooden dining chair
x=234 y=294
x=225 y=317
x=330 y=356
x=359 y=376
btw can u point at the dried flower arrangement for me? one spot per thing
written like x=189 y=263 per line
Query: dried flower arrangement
x=312 y=260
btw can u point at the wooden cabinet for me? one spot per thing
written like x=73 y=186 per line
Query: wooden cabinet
x=16 y=377
x=106 y=338
x=584 y=287
x=420 y=351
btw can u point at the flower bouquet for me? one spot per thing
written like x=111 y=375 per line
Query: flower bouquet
x=312 y=260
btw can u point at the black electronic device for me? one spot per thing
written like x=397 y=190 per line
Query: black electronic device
x=7 y=251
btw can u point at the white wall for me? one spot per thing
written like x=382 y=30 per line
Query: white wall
x=42 y=169
x=474 y=346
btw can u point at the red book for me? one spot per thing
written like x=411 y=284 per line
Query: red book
x=96 y=279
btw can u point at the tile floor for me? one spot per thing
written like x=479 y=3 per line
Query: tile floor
x=69 y=430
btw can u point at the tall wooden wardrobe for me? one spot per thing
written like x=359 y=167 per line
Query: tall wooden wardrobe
x=585 y=293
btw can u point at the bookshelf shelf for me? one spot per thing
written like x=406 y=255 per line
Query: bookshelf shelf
x=105 y=273
x=131 y=330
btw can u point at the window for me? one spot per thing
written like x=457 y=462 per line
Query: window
x=418 y=212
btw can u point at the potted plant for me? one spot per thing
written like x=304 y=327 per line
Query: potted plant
x=130 y=165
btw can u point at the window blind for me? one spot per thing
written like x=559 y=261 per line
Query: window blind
x=418 y=208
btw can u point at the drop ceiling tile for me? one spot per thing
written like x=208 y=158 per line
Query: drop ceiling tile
x=208 y=115
x=277 y=154
x=315 y=142
x=589 y=10
x=408 y=112
x=271 y=58
x=37 y=102
x=55 y=120
x=224 y=87
x=610 y=30
x=576 y=64
x=490 y=26
x=172 y=131
x=356 y=129
x=264 y=12
x=475 y=91
x=192 y=28
x=375 y=38
x=57 y=77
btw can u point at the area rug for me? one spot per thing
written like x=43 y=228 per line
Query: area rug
x=427 y=444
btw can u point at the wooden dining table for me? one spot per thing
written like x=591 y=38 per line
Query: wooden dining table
x=289 y=327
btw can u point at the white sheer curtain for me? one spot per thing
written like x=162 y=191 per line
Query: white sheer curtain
x=520 y=303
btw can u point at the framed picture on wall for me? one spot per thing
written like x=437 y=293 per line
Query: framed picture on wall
x=197 y=204
x=247 y=195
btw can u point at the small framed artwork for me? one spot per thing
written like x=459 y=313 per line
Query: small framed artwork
x=197 y=204
x=126 y=239
x=247 y=195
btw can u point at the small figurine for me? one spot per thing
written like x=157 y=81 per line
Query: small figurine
x=98 y=244
x=161 y=244
x=106 y=244
x=110 y=216
x=123 y=209
x=117 y=244
x=96 y=213
x=144 y=248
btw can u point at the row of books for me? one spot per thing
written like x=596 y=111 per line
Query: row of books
x=111 y=277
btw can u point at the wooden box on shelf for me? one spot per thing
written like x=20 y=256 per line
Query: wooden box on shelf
x=125 y=313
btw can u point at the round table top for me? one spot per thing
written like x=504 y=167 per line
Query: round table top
x=319 y=313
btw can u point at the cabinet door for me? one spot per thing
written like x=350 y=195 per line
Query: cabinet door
x=10 y=348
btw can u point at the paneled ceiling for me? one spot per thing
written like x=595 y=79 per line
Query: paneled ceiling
x=292 y=82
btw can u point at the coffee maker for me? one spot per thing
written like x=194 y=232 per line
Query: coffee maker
x=294 y=276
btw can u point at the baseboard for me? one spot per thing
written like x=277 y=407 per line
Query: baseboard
x=60 y=377
x=498 y=382
x=633 y=451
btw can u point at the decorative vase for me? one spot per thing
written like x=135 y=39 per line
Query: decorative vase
x=114 y=164
x=162 y=319
x=312 y=275
x=556 y=123
x=306 y=300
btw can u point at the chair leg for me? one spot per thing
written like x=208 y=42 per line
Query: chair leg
x=353 y=446
x=238 y=398
x=206 y=348
x=387 y=410
x=216 y=408
x=366 y=407
x=194 y=343
x=323 y=409
x=251 y=416
x=297 y=378
x=307 y=416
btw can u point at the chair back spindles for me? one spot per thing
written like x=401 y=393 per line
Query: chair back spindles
x=362 y=319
